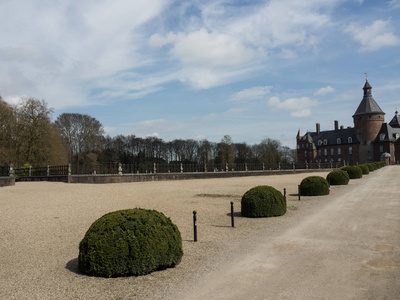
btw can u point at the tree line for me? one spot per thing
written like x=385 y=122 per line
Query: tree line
x=27 y=135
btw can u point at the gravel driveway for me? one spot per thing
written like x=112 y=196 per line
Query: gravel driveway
x=339 y=242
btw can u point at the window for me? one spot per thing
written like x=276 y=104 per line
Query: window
x=319 y=152
x=380 y=148
x=325 y=151
x=298 y=146
x=350 y=140
x=339 y=159
x=302 y=145
x=382 y=136
x=350 y=150
x=339 y=151
x=325 y=142
x=332 y=151
x=359 y=131
x=319 y=143
x=339 y=140
x=305 y=153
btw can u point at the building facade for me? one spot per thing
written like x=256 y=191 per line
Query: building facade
x=370 y=140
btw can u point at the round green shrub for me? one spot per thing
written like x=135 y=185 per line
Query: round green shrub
x=130 y=242
x=263 y=201
x=353 y=171
x=371 y=167
x=338 y=177
x=364 y=169
x=314 y=186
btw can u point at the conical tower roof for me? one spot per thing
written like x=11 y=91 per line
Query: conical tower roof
x=368 y=104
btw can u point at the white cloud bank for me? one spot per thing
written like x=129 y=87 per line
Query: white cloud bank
x=254 y=93
x=375 y=36
x=324 y=91
x=300 y=107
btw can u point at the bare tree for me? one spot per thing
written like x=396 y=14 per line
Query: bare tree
x=226 y=150
x=81 y=133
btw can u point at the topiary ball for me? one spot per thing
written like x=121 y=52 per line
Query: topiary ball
x=263 y=201
x=314 y=186
x=353 y=171
x=364 y=169
x=338 y=177
x=130 y=242
x=371 y=167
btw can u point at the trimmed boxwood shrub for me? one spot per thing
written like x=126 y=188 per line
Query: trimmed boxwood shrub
x=263 y=201
x=364 y=169
x=338 y=177
x=314 y=186
x=130 y=242
x=353 y=171
x=371 y=167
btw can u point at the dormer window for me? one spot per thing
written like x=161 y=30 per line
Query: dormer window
x=339 y=141
x=325 y=142
x=319 y=143
x=382 y=136
x=350 y=140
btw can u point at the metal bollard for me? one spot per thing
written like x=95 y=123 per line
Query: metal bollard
x=299 y=192
x=195 y=225
x=284 y=192
x=232 y=216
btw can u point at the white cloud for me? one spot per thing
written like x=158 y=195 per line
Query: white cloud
x=283 y=22
x=288 y=54
x=304 y=113
x=254 y=93
x=375 y=36
x=292 y=103
x=395 y=3
x=203 y=48
x=324 y=91
x=300 y=107
x=62 y=50
x=161 y=127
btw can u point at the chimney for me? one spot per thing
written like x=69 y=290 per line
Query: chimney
x=341 y=127
x=318 y=128
x=336 y=125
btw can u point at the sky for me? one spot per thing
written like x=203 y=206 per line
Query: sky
x=203 y=69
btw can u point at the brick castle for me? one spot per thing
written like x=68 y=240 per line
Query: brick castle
x=370 y=140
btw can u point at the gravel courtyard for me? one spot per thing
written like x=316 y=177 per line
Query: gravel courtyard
x=42 y=224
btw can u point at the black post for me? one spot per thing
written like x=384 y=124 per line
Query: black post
x=299 y=192
x=284 y=192
x=195 y=226
x=232 y=216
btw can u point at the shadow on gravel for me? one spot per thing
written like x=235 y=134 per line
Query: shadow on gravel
x=236 y=214
x=72 y=266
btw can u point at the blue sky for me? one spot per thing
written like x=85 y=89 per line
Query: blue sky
x=203 y=69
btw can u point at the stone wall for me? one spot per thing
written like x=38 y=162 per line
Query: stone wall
x=177 y=176
x=7 y=181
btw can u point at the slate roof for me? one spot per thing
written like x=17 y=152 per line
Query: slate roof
x=331 y=136
x=395 y=122
x=390 y=134
x=368 y=104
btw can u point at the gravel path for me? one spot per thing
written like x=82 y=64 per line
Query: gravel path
x=42 y=224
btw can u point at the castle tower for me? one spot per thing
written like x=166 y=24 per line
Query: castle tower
x=368 y=120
